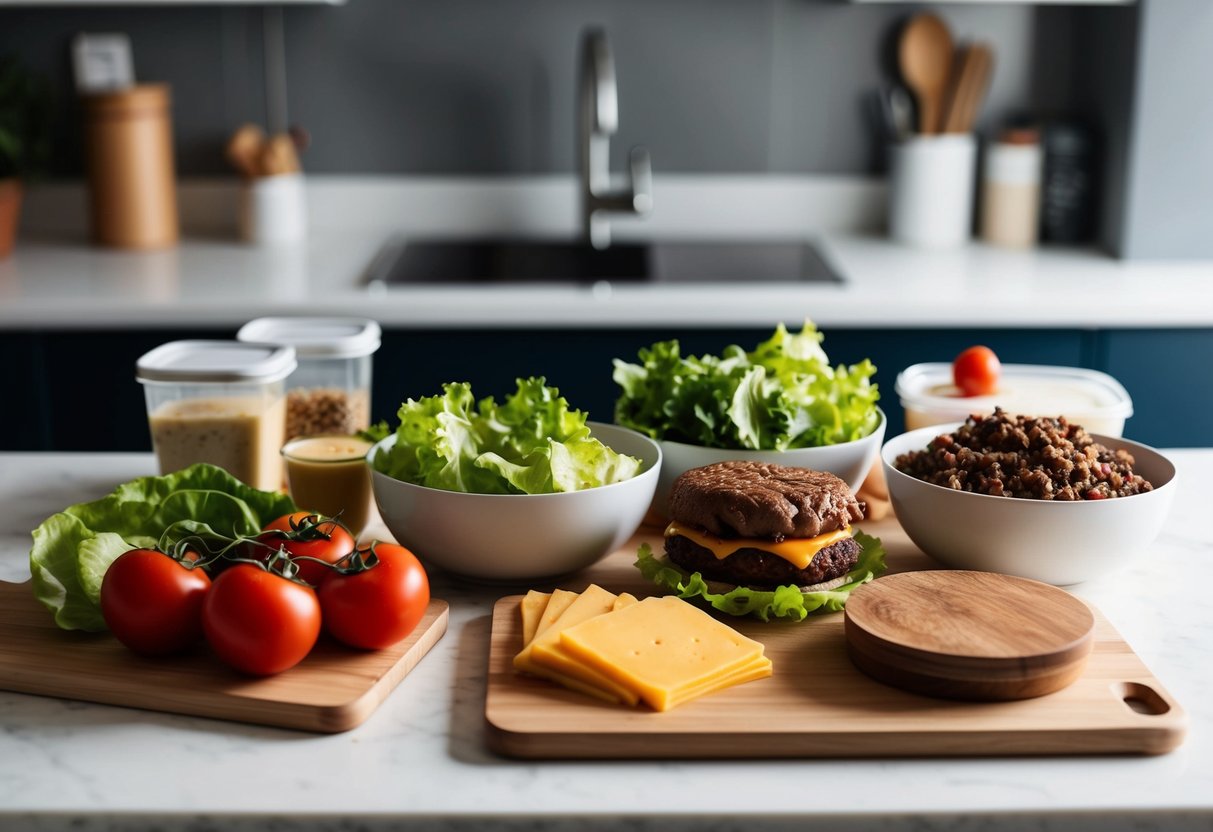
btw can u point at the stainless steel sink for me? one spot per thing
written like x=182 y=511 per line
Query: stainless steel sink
x=548 y=261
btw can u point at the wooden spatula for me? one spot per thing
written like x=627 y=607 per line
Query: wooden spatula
x=973 y=67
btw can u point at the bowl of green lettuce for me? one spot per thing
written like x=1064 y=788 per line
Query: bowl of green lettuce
x=781 y=402
x=515 y=490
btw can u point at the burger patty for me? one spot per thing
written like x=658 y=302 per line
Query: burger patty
x=756 y=568
x=760 y=499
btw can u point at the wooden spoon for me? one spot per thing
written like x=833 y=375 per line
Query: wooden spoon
x=244 y=149
x=924 y=57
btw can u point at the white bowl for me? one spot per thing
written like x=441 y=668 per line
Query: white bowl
x=515 y=537
x=1056 y=542
x=850 y=461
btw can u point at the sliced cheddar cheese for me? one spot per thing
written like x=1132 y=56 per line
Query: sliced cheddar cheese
x=533 y=605
x=759 y=669
x=544 y=656
x=625 y=599
x=798 y=551
x=662 y=649
x=557 y=604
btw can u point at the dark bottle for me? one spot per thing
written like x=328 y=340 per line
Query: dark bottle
x=1068 y=187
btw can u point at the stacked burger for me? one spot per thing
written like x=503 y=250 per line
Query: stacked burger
x=763 y=539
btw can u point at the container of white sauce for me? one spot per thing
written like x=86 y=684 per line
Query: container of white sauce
x=220 y=402
x=1089 y=398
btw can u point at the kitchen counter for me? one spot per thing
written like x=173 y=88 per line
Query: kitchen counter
x=422 y=755
x=55 y=280
x=62 y=283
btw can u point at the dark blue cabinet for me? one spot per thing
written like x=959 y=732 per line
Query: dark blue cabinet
x=1169 y=375
x=75 y=390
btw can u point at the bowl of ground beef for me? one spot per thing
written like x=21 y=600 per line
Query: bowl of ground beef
x=1035 y=497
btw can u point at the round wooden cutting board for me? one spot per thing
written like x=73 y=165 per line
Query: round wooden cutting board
x=968 y=635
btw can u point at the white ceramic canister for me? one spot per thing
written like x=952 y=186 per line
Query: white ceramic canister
x=931 y=184
x=273 y=209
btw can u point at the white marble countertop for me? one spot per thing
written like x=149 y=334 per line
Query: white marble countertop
x=422 y=755
x=64 y=283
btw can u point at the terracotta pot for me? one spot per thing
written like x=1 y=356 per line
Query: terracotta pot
x=10 y=212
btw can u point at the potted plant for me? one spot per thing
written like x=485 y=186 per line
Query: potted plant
x=24 y=143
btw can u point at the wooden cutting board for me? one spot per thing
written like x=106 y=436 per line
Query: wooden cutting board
x=818 y=705
x=334 y=689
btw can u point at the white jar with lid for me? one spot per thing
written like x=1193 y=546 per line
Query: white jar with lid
x=1010 y=191
x=330 y=392
x=220 y=402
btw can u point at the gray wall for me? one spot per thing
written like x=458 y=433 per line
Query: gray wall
x=487 y=86
x=1167 y=209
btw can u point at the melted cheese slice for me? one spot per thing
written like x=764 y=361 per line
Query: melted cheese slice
x=665 y=650
x=798 y=551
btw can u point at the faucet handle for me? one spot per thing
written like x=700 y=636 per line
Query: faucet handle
x=642 y=179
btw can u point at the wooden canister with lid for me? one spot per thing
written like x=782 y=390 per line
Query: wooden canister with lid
x=129 y=150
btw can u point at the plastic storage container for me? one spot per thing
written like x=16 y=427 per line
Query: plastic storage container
x=1089 y=398
x=330 y=393
x=221 y=402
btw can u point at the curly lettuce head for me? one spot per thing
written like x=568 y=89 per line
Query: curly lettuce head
x=530 y=443
x=781 y=395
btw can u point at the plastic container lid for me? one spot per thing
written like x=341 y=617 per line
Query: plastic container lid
x=1032 y=389
x=316 y=337
x=216 y=362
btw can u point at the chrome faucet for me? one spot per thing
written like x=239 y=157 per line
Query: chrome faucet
x=597 y=120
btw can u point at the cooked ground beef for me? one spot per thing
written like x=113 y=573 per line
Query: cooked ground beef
x=1039 y=459
x=756 y=568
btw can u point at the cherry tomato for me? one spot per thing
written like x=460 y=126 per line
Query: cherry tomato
x=379 y=607
x=260 y=622
x=976 y=371
x=152 y=603
x=332 y=542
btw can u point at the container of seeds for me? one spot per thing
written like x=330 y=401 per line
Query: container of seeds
x=330 y=392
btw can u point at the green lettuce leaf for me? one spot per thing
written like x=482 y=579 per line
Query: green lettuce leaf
x=73 y=548
x=783 y=394
x=531 y=443
x=782 y=602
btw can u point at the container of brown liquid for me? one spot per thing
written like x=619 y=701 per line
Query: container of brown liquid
x=129 y=151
